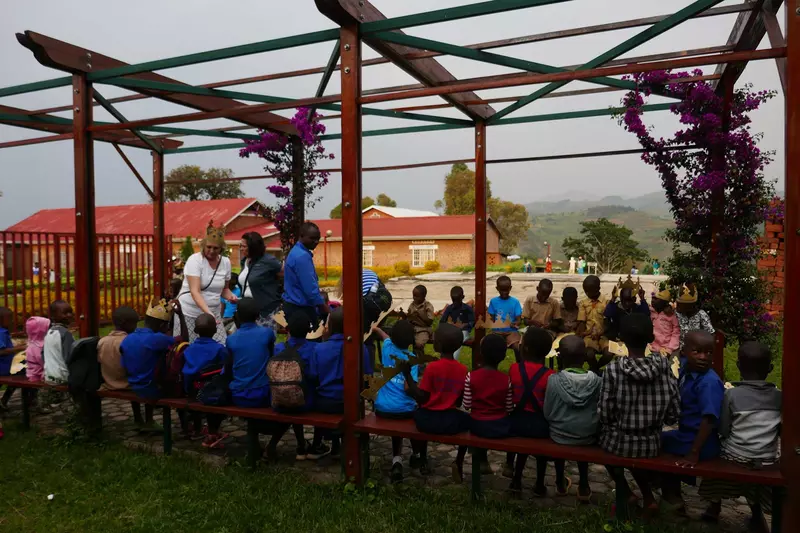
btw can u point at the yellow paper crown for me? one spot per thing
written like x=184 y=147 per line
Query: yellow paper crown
x=490 y=323
x=215 y=235
x=160 y=309
x=688 y=294
x=629 y=284
x=664 y=295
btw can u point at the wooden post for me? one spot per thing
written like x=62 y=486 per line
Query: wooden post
x=160 y=274
x=87 y=291
x=480 y=236
x=352 y=233
x=790 y=433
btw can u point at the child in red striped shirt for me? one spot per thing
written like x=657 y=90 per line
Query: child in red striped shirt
x=489 y=397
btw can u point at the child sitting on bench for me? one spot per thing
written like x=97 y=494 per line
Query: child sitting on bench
x=440 y=391
x=570 y=405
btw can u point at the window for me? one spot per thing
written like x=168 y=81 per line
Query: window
x=422 y=253
x=366 y=255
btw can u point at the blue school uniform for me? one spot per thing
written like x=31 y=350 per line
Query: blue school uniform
x=327 y=368
x=202 y=354
x=505 y=310
x=230 y=308
x=306 y=351
x=5 y=344
x=392 y=398
x=300 y=282
x=701 y=395
x=142 y=352
x=250 y=347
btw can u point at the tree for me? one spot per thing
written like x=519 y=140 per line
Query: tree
x=382 y=200
x=459 y=199
x=188 y=192
x=187 y=249
x=605 y=243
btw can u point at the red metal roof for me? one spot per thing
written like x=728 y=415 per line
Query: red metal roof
x=263 y=229
x=417 y=228
x=183 y=219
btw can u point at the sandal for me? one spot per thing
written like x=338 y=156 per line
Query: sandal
x=566 y=490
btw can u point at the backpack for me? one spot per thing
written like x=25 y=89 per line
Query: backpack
x=216 y=392
x=379 y=298
x=170 y=378
x=286 y=374
x=83 y=366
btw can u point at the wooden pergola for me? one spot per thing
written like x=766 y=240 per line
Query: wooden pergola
x=360 y=22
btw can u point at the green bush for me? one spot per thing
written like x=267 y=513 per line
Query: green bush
x=333 y=271
x=432 y=266
x=402 y=267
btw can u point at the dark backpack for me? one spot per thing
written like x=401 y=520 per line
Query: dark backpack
x=379 y=299
x=170 y=376
x=216 y=392
x=83 y=366
x=286 y=375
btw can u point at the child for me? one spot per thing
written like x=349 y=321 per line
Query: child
x=7 y=353
x=489 y=398
x=109 y=356
x=529 y=379
x=666 y=330
x=749 y=427
x=229 y=308
x=627 y=305
x=420 y=313
x=36 y=328
x=201 y=357
x=506 y=308
x=392 y=401
x=690 y=316
x=250 y=349
x=638 y=397
x=299 y=328
x=570 y=404
x=58 y=343
x=701 y=404
x=591 y=323
x=440 y=391
x=569 y=310
x=144 y=350
x=459 y=313
x=541 y=311
x=175 y=285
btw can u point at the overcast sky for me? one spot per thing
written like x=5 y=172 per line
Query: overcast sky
x=41 y=176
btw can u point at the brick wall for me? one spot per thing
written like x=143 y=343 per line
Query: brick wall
x=771 y=263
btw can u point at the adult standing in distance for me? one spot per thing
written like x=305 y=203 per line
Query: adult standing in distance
x=205 y=281
x=259 y=278
x=300 y=283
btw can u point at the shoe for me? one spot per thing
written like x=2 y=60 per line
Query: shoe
x=317 y=453
x=396 y=474
x=414 y=461
x=508 y=471
x=214 y=441
x=302 y=453
x=424 y=469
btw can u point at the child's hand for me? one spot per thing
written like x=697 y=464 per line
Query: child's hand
x=689 y=461
x=614 y=294
x=641 y=294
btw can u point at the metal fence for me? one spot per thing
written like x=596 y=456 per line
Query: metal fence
x=38 y=268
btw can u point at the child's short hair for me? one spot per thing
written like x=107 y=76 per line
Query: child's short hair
x=503 y=279
x=402 y=334
x=591 y=281
x=335 y=321
x=493 y=349
x=755 y=358
x=423 y=290
x=572 y=351
x=448 y=338
x=569 y=291
x=247 y=310
x=54 y=305
x=636 y=331
x=123 y=316
x=538 y=343
x=298 y=326
x=205 y=325
x=455 y=291
x=546 y=284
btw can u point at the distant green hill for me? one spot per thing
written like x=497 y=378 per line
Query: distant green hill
x=654 y=203
x=554 y=227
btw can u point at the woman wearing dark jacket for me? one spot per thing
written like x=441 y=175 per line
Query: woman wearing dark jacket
x=259 y=277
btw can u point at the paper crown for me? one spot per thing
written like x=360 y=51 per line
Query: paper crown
x=664 y=295
x=215 y=235
x=688 y=294
x=160 y=310
x=490 y=323
x=629 y=284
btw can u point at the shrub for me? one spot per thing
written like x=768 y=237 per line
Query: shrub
x=187 y=249
x=402 y=267
x=417 y=271
x=385 y=273
x=333 y=272
x=432 y=266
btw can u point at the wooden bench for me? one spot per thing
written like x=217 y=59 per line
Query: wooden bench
x=665 y=463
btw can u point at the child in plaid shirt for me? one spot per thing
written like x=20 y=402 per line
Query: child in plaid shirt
x=639 y=395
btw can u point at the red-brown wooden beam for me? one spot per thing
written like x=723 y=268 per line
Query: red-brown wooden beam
x=134 y=171
x=775 y=40
x=352 y=235
x=70 y=58
x=37 y=140
x=87 y=290
x=481 y=214
x=427 y=70
x=160 y=273
x=790 y=432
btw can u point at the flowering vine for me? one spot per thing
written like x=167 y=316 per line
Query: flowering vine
x=279 y=151
x=722 y=175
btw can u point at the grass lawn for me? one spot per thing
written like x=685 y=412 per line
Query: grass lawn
x=111 y=488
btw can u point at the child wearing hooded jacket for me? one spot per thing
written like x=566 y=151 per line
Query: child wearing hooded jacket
x=570 y=405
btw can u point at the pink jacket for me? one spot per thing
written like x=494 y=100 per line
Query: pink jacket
x=36 y=327
x=666 y=331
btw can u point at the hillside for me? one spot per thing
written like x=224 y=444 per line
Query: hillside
x=653 y=203
x=554 y=227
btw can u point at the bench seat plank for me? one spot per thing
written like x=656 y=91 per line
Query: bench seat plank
x=716 y=468
x=261 y=413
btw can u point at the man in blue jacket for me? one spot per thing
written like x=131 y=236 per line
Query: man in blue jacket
x=300 y=283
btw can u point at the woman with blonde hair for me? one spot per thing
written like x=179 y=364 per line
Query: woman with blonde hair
x=205 y=282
